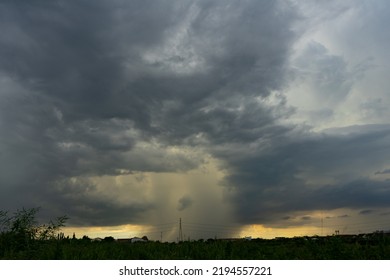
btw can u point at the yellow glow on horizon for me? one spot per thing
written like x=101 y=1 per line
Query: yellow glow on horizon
x=122 y=231
x=128 y=231
x=260 y=231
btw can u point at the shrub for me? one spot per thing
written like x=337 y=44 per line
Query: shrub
x=19 y=232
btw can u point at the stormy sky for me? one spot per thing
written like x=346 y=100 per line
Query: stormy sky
x=232 y=115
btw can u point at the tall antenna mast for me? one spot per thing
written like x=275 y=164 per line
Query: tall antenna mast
x=180 y=231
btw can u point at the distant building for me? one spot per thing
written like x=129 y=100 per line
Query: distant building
x=133 y=240
x=97 y=239
x=137 y=239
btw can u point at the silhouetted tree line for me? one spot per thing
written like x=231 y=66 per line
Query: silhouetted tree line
x=21 y=230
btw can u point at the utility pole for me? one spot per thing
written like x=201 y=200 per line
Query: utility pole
x=161 y=237
x=180 y=231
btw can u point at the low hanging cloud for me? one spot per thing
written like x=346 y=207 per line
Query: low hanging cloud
x=386 y=171
x=184 y=203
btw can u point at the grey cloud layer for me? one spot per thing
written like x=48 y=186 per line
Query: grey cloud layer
x=312 y=173
x=111 y=87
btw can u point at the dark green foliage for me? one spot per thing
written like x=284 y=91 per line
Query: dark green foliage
x=109 y=239
x=331 y=248
x=22 y=237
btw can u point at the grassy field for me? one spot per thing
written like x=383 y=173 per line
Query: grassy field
x=329 y=248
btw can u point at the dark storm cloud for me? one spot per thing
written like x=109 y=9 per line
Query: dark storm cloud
x=75 y=53
x=287 y=176
x=107 y=87
x=101 y=88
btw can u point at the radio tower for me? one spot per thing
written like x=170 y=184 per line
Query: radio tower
x=180 y=231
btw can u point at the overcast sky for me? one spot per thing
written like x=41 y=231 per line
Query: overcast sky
x=228 y=114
